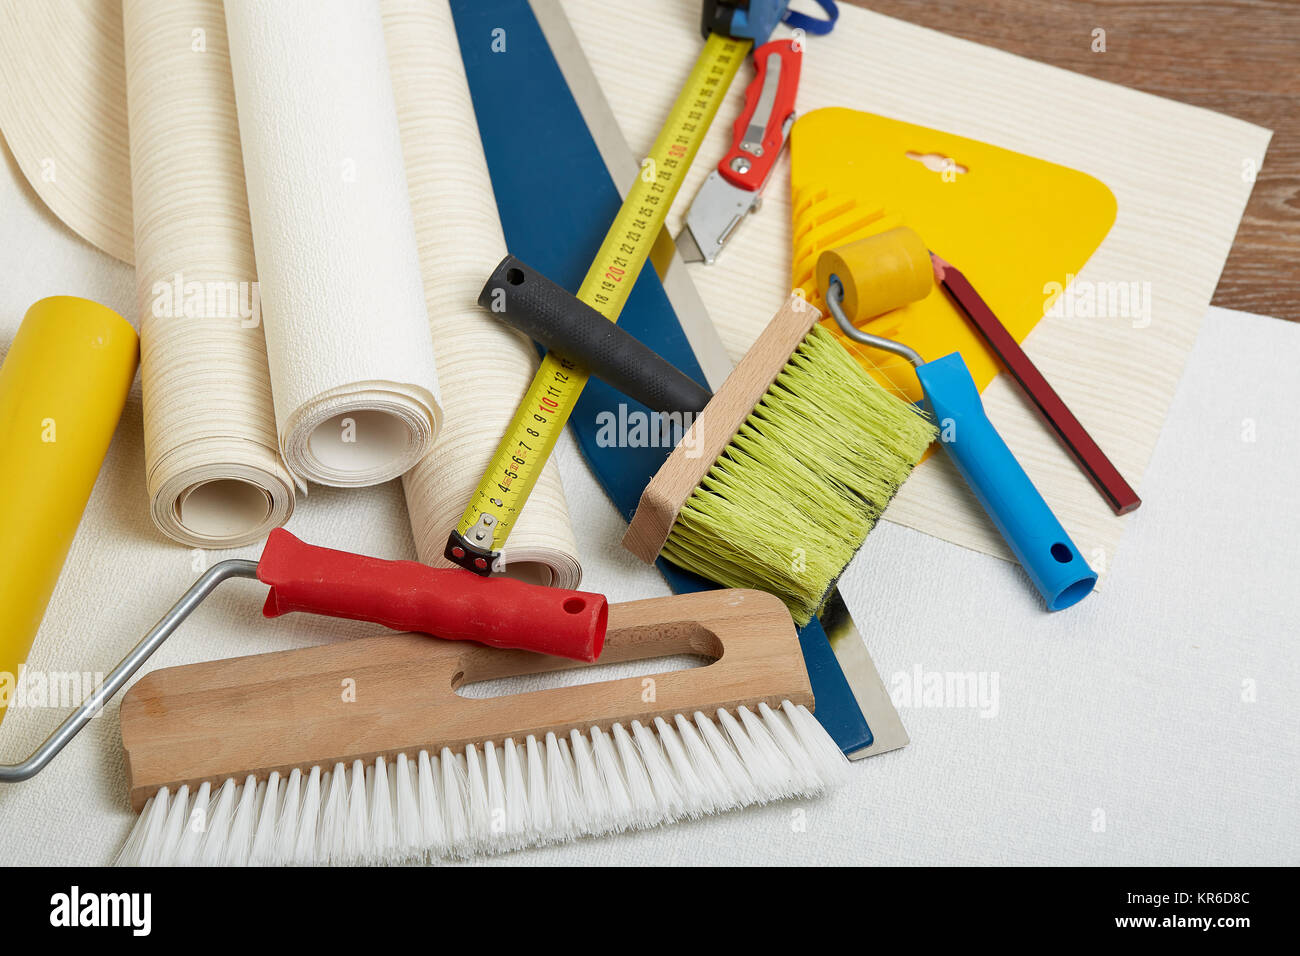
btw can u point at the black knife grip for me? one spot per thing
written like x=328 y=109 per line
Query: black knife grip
x=526 y=300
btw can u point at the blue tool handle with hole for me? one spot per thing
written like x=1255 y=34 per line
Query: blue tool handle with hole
x=1035 y=535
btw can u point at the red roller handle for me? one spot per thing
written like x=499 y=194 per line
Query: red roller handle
x=445 y=602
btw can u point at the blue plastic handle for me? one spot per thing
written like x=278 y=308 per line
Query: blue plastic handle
x=1001 y=485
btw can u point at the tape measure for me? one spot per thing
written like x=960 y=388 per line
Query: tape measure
x=477 y=542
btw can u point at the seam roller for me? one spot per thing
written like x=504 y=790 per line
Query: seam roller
x=886 y=271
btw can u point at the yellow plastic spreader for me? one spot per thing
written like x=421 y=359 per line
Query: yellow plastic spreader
x=1019 y=226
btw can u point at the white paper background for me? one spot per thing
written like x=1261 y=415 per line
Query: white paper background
x=1129 y=704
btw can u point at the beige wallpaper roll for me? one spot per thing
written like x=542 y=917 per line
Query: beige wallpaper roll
x=484 y=368
x=213 y=460
x=213 y=467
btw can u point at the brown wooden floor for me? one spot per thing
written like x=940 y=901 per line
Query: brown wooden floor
x=1240 y=57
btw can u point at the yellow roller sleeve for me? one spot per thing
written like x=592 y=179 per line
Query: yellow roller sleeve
x=62 y=387
x=879 y=273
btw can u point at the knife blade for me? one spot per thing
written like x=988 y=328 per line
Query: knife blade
x=735 y=188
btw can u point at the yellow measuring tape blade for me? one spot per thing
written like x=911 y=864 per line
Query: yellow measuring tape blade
x=554 y=391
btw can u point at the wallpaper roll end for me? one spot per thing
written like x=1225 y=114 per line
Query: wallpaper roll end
x=356 y=438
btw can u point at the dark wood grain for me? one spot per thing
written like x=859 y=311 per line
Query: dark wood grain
x=1240 y=57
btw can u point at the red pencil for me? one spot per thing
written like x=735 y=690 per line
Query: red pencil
x=1105 y=476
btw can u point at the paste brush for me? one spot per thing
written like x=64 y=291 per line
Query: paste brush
x=784 y=471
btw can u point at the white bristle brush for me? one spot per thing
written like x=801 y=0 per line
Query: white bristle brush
x=223 y=756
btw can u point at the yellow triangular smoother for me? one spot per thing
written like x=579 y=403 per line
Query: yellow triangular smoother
x=1016 y=226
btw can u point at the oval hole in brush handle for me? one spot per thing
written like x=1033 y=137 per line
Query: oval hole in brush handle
x=526 y=300
x=1045 y=551
x=444 y=602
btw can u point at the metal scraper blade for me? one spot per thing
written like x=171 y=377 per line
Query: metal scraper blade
x=669 y=262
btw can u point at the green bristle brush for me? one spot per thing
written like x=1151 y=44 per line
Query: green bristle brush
x=785 y=471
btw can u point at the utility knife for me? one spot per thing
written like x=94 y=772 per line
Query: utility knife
x=735 y=188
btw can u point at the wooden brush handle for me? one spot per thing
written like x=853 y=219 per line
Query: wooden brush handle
x=396 y=693
x=713 y=430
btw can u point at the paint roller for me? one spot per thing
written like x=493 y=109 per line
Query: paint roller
x=62 y=388
x=875 y=275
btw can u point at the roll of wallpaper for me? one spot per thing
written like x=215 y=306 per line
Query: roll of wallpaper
x=212 y=459
x=62 y=387
x=347 y=333
x=484 y=367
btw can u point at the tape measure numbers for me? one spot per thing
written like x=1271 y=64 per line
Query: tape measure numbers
x=528 y=442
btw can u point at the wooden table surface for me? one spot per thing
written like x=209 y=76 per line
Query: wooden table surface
x=1240 y=57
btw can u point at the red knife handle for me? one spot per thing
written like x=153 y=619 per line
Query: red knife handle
x=1091 y=459
x=444 y=602
x=759 y=132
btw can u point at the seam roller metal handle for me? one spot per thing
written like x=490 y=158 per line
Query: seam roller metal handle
x=73 y=724
x=1025 y=520
x=528 y=301
x=761 y=129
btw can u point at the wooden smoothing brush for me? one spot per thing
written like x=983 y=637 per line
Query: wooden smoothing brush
x=363 y=752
